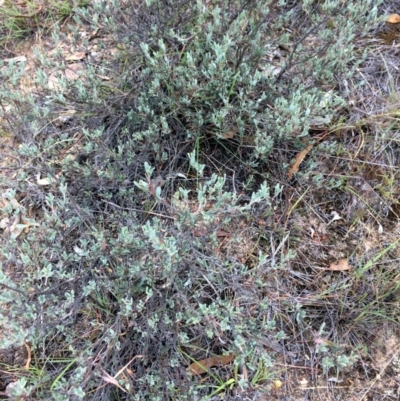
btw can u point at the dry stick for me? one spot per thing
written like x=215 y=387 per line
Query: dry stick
x=121 y=370
x=140 y=211
x=378 y=376
x=113 y=379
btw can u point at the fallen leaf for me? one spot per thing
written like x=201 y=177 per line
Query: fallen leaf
x=228 y=134
x=4 y=223
x=4 y=202
x=44 y=181
x=299 y=158
x=340 y=265
x=335 y=380
x=53 y=82
x=79 y=251
x=335 y=217
x=103 y=77
x=76 y=56
x=29 y=358
x=199 y=231
x=72 y=71
x=201 y=367
x=15 y=229
x=16 y=59
x=393 y=18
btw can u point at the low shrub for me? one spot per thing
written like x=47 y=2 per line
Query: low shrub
x=139 y=184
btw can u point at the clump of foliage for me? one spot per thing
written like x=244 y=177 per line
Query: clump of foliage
x=121 y=281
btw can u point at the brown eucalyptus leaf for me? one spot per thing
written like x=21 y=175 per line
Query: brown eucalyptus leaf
x=340 y=265
x=201 y=367
x=298 y=160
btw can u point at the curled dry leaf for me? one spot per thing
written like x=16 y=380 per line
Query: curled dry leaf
x=299 y=158
x=201 y=367
x=29 y=358
x=335 y=215
x=393 y=18
x=340 y=265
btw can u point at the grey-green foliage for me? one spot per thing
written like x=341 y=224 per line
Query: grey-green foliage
x=219 y=67
x=112 y=270
x=157 y=280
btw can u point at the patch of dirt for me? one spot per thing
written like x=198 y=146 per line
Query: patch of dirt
x=11 y=360
x=390 y=34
